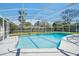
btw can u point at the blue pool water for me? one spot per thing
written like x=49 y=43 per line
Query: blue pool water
x=40 y=41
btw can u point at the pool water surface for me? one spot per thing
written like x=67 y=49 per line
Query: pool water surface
x=40 y=40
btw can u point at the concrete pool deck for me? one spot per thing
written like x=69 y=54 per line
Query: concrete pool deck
x=8 y=48
x=7 y=43
x=69 y=47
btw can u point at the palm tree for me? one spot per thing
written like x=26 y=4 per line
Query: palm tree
x=22 y=19
x=21 y=16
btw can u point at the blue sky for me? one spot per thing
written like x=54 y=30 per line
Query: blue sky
x=35 y=11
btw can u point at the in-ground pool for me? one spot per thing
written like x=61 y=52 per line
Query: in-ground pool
x=51 y=40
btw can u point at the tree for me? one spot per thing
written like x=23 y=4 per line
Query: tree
x=28 y=24
x=57 y=25
x=1 y=21
x=13 y=27
x=69 y=14
x=37 y=23
x=22 y=18
x=44 y=23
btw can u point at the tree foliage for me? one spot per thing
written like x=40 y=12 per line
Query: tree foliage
x=21 y=16
x=1 y=21
x=69 y=14
x=13 y=27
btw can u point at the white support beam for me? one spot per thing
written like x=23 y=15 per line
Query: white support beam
x=62 y=28
x=7 y=28
x=69 y=27
x=3 y=28
x=76 y=26
x=45 y=27
x=51 y=28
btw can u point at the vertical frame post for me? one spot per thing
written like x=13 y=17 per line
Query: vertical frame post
x=3 y=27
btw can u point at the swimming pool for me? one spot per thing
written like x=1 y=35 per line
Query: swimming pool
x=51 y=40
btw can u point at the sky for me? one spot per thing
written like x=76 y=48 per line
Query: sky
x=35 y=11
